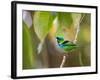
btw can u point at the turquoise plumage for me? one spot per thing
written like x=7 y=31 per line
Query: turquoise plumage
x=65 y=45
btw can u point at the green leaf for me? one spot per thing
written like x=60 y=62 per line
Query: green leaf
x=60 y=32
x=28 y=59
x=42 y=21
x=65 y=19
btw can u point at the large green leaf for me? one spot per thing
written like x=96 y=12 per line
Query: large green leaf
x=42 y=21
x=59 y=32
x=28 y=58
x=65 y=19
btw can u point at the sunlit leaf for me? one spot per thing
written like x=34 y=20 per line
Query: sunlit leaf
x=42 y=23
x=27 y=18
x=28 y=59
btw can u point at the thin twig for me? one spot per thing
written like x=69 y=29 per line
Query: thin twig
x=78 y=29
x=63 y=61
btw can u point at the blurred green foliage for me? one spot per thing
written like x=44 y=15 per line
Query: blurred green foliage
x=28 y=56
x=64 y=19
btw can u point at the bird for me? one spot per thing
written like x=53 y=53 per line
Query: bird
x=65 y=45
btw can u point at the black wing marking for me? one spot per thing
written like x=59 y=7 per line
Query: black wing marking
x=65 y=42
x=68 y=43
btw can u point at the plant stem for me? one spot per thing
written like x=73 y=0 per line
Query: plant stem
x=78 y=29
x=63 y=61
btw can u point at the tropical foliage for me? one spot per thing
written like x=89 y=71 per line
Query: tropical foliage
x=39 y=39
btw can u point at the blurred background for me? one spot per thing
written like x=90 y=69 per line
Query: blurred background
x=40 y=29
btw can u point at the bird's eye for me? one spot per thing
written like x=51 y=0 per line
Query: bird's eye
x=59 y=38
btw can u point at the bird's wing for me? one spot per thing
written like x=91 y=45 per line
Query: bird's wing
x=65 y=42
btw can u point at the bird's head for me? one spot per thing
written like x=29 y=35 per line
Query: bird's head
x=59 y=39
